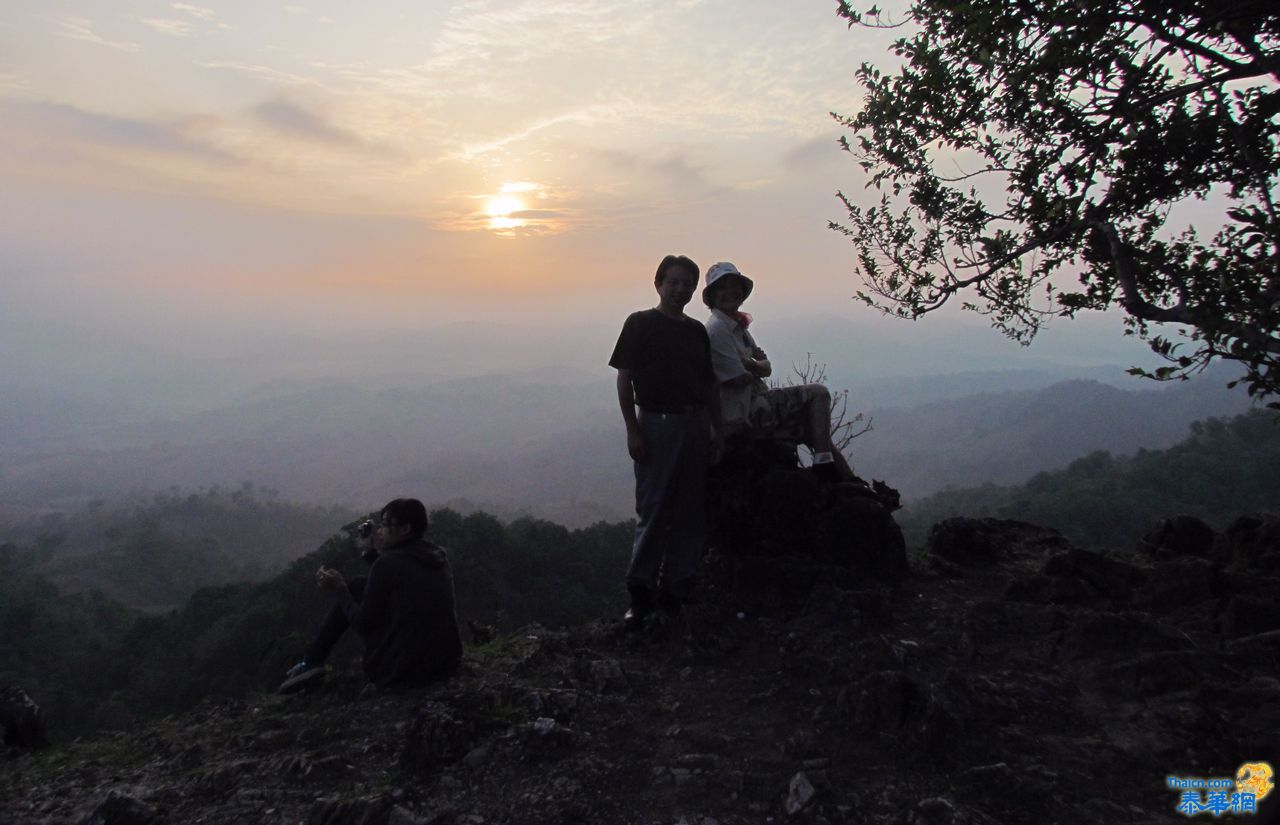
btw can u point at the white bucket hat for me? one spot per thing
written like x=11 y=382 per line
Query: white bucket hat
x=722 y=269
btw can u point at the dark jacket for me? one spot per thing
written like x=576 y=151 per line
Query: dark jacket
x=406 y=616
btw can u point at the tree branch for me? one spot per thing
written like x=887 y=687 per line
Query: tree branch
x=1183 y=43
x=1139 y=307
x=1131 y=295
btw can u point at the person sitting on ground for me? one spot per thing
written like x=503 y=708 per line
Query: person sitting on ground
x=403 y=610
x=800 y=413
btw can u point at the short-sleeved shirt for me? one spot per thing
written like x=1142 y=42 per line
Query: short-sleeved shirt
x=669 y=359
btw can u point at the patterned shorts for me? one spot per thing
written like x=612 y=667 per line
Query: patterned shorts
x=781 y=413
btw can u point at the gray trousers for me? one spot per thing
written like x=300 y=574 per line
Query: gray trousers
x=670 y=502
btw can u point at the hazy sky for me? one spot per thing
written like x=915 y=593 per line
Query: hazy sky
x=201 y=179
x=315 y=162
x=199 y=196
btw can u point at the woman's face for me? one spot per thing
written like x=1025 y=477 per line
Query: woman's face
x=729 y=297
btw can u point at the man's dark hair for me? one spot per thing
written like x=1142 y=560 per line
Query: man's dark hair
x=674 y=261
x=406 y=511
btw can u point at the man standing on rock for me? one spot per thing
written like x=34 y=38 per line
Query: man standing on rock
x=403 y=610
x=663 y=359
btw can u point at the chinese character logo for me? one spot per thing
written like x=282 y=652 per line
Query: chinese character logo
x=1222 y=795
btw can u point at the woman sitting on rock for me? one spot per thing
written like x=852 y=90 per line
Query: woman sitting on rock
x=801 y=413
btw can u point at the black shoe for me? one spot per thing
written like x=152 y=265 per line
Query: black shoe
x=301 y=676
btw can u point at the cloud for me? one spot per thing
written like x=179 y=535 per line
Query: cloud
x=69 y=121
x=613 y=109
x=81 y=28
x=11 y=81
x=255 y=70
x=291 y=118
x=816 y=152
x=204 y=21
x=602 y=74
x=194 y=11
x=674 y=168
x=538 y=214
x=174 y=28
x=522 y=134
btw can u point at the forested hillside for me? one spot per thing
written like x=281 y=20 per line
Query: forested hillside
x=153 y=552
x=69 y=650
x=92 y=663
x=1226 y=467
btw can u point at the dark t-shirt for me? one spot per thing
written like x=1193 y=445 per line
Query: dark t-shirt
x=669 y=359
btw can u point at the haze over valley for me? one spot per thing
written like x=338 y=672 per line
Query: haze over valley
x=523 y=420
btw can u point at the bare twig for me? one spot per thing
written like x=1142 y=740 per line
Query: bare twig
x=844 y=429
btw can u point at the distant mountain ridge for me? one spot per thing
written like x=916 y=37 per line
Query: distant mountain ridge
x=555 y=450
x=1007 y=437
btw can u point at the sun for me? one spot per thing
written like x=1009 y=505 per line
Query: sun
x=500 y=206
x=508 y=209
x=499 y=209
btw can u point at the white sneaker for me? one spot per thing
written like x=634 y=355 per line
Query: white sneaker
x=300 y=677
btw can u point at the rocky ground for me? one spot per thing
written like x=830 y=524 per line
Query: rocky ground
x=1008 y=677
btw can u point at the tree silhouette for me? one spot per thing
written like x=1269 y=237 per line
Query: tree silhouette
x=1044 y=158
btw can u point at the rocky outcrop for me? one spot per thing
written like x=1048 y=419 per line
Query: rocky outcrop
x=967 y=542
x=1177 y=536
x=1252 y=543
x=768 y=513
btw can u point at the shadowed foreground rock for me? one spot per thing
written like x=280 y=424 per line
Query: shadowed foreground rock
x=763 y=506
x=1017 y=679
